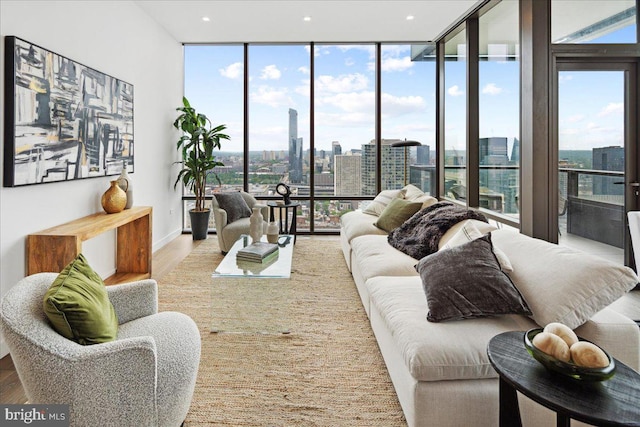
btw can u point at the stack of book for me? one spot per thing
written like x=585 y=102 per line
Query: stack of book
x=258 y=252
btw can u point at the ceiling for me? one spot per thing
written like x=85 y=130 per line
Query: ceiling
x=282 y=20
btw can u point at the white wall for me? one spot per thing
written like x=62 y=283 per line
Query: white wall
x=119 y=39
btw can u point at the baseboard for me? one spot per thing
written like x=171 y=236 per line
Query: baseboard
x=168 y=238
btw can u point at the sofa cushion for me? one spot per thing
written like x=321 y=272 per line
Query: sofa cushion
x=234 y=204
x=466 y=281
x=412 y=192
x=436 y=351
x=419 y=236
x=381 y=201
x=397 y=212
x=561 y=284
x=355 y=224
x=78 y=307
x=483 y=227
x=376 y=258
x=468 y=232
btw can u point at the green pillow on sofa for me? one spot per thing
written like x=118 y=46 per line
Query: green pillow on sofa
x=396 y=213
x=78 y=307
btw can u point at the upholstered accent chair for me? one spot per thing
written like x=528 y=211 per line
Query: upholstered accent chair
x=145 y=377
x=228 y=226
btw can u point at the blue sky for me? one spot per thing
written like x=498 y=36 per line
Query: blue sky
x=590 y=113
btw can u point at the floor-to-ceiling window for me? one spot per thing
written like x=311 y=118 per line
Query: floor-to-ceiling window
x=344 y=117
x=311 y=115
x=499 y=101
x=455 y=117
x=214 y=85
x=408 y=116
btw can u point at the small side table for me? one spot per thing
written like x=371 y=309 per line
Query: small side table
x=615 y=402
x=284 y=227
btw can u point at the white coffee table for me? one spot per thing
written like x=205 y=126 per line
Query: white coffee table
x=253 y=297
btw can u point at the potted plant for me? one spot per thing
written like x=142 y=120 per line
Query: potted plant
x=196 y=145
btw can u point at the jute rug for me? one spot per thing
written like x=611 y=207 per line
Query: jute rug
x=327 y=372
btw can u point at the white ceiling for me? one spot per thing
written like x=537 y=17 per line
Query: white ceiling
x=282 y=20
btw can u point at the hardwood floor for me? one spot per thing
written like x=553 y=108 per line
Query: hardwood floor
x=164 y=260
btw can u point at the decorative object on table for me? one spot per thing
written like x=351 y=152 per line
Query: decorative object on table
x=258 y=251
x=570 y=368
x=285 y=191
x=38 y=131
x=406 y=144
x=272 y=232
x=124 y=182
x=196 y=146
x=114 y=199
x=256 y=221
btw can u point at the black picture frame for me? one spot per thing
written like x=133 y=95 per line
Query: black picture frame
x=63 y=120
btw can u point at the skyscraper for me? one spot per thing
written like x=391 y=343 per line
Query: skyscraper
x=392 y=166
x=493 y=151
x=607 y=159
x=423 y=154
x=295 y=149
x=348 y=174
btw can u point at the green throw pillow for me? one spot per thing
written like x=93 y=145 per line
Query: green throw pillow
x=78 y=306
x=396 y=213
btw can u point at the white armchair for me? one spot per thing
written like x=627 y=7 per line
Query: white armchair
x=145 y=377
x=229 y=233
x=629 y=304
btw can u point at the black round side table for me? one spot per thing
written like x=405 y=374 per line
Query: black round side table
x=614 y=402
x=283 y=216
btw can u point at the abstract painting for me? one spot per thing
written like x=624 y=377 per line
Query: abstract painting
x=63 y=120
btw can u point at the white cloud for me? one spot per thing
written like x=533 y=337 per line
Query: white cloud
x=393 y=106
x=396 y=64
x=612 y=108
x=233 y=71
x=565 y=78
x=575 y=118
x=272 y=97
x=341 y=84
x=351 y=102
x=304 y=70
x=303 y=89
x=455 y=91
x=270 y=72
x=491 y=89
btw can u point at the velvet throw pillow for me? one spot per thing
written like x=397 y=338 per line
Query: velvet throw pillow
x=78 y=307
x=466 y=282
x=397 y=212
x=234 y=204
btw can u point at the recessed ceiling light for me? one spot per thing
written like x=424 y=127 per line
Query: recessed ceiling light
x=307 y=18
x=410 y=17
x=206 y=19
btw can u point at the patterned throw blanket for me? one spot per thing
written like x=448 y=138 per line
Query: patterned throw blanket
x=420 y=234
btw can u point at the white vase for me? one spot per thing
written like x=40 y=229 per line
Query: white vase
x=272 y=232
x=256 y=222
x=124 y=182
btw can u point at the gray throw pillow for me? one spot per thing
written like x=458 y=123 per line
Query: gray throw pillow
x=234 y=204
x=466 y=282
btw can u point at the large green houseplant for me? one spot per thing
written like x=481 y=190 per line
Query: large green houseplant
x=199 y=139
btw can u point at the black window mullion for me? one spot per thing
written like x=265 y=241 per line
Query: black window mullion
x=473 y=117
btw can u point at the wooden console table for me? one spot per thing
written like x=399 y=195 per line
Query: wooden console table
x=52 y=249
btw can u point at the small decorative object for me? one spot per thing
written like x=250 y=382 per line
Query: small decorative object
x=272 y=232
x=114 y=199
x=124 y=182
x=284 y=190
x=256 y=226
x=588 y=362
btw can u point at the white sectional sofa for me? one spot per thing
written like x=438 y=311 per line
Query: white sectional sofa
x=440 y=371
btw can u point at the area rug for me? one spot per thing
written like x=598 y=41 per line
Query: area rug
x=328 y=371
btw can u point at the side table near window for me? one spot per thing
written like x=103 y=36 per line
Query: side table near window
x=284 y=226
x=614 y=402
